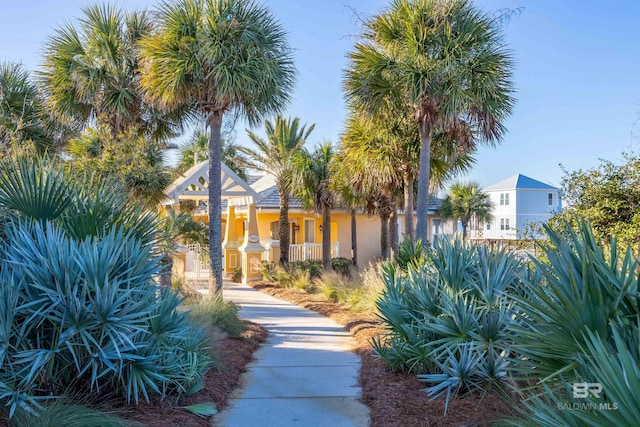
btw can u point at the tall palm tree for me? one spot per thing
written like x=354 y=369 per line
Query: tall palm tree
x=464 y=202
x=218 y=56
x=347 y=196
x=22 y=114
x=383 y=158
x=275 y=155
x=197 y=149
x=312 y=184
x=91 y=73
x=445 y=61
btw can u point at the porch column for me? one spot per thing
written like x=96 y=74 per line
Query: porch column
x=251 y=248
x=231 y=243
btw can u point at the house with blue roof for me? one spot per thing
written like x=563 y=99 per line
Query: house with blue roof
x=519 y=202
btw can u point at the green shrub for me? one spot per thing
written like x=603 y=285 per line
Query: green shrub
x=213 y=311
x=343 y=266
x=579 y=322
x=68 y=414
x=269 y=271
x=447 y=317
x=357 y=293
x=80 y=308
x=313 y=266
x=237 y=275
x=410 y=252
x=301 y=279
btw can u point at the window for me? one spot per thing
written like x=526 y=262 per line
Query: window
x=504 y=223
x=275 y=230
x=435 y=227
x=309 y=231
x=504 y=199
x=488 y=226
x=550 y=199
x=501 y=199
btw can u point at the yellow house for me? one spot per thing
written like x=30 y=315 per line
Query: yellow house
x=251 y=225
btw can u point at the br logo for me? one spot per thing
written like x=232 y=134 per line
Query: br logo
x=584 y=390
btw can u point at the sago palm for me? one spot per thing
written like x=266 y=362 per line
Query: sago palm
x=275 y=155
x=312 y=184
x=465 y=202
x=218 y=56
x=445 y=61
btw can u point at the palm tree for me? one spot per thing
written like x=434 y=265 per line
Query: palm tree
x=22 y=113
x=445 y=61
x=91 y=75
x=217 y=56
x=275 y=155
x=341 y=176
x=382 y=159
x=197 y=149
x=465 y=202
x=312 y=184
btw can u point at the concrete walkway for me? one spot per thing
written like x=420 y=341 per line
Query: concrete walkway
x=303 y=375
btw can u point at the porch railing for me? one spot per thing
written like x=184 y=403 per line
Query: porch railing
x=304 y=251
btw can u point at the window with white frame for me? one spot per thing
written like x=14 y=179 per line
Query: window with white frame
x=504 y=199
x=504 y=224
x=488 y=226
x=550 y=199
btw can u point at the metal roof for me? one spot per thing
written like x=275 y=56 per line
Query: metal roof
x=519 y=181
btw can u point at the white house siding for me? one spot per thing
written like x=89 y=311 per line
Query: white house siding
x=525 y=206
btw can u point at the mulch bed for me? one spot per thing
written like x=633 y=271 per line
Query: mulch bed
x=395 y=399
x=232 y=355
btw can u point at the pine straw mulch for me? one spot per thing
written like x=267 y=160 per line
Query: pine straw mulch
x=394 y=399
x=231 y=356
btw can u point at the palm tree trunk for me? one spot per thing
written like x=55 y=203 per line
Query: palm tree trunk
x=408 y=205
x=167 y=271
x=326 y=237
x=384 y=235
x=393 y=231
x=284 y=226
x=214 y=121
x=354 y=239
x=464 y=231
x=423 y=184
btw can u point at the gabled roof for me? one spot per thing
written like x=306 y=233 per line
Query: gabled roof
x=194 y=184
x=266 y=187
x=519 y=181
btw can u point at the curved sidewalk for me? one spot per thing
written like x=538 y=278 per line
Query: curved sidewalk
x=303 y=375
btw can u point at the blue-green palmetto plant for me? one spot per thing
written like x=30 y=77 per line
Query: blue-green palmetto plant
x=578 y=322
x=447 y=317
x=80 y=306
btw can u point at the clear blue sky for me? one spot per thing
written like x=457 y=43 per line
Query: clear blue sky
x=577 y=75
